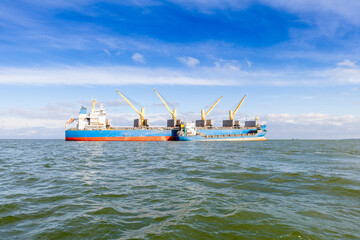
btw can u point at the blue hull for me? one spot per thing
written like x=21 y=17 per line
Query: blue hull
x=227 y=135
x=120 y=135
x=166 y=135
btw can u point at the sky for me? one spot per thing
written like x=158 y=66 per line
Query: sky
x=297 y=61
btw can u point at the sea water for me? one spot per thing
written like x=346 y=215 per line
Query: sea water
x=293 y=189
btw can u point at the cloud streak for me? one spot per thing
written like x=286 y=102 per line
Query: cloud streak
x=189 y=61
x=280 y=126
x=312 y=126
x=224 y=73
x=138 y=58
x=346 y=63
x=348 y=11
x=32 y=31
x=104 y=76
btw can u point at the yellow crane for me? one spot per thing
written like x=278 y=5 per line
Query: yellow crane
x=141 y=114
x=231 y=113
x=94 y=102
x=203 y=113
x=173 y=113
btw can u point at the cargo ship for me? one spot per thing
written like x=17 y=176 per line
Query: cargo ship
x=94 y=126
x=251 y=132
x=204 y=130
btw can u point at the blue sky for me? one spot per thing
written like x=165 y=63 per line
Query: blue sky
x=297 y=61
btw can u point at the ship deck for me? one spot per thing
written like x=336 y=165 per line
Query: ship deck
x=163 y=128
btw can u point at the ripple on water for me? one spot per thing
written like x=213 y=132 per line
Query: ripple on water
x=221 y=190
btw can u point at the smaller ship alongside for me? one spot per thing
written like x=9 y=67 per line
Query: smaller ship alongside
x=251 y=132
x=203 y=130
x=94 y=126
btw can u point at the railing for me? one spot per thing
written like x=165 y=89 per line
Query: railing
x=230 y=135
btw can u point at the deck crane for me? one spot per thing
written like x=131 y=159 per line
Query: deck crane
x=231 y=113
x=94 y=102
x=203 y=122
x=230 y=122
x=142 y=122
x=172 y=122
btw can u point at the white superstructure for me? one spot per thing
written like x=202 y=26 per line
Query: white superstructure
x=96 y=119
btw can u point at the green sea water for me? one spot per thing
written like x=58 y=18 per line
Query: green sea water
x=52 y=189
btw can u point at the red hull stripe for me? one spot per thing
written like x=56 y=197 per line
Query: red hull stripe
x=152 y=138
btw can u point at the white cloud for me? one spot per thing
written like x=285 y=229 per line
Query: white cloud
x=304 y=97
x=312 y=126
x=32 y=133
x=280 y=126
x=224 y=72
x=137 y=57
x=346 y=63
x=65 y=75
x=16 y=123
x=348 y=11
x=249 y=63
x=47 y=116
x=312 y=119
x=232 y=65
x=341 y=75
x=107 y=52
x=189 y=61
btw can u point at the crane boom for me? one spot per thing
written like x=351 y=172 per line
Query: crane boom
x=237 y=108
x=93 y=104
x=140 y=113
x=203 y=114
x=213 y=105
x=173 y=113
x=232 y=114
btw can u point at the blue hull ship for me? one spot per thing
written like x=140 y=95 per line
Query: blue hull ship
x=94 y=126
x=223 y=134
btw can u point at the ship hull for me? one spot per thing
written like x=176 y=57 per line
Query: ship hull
x=120 y=135
x=223 y=134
